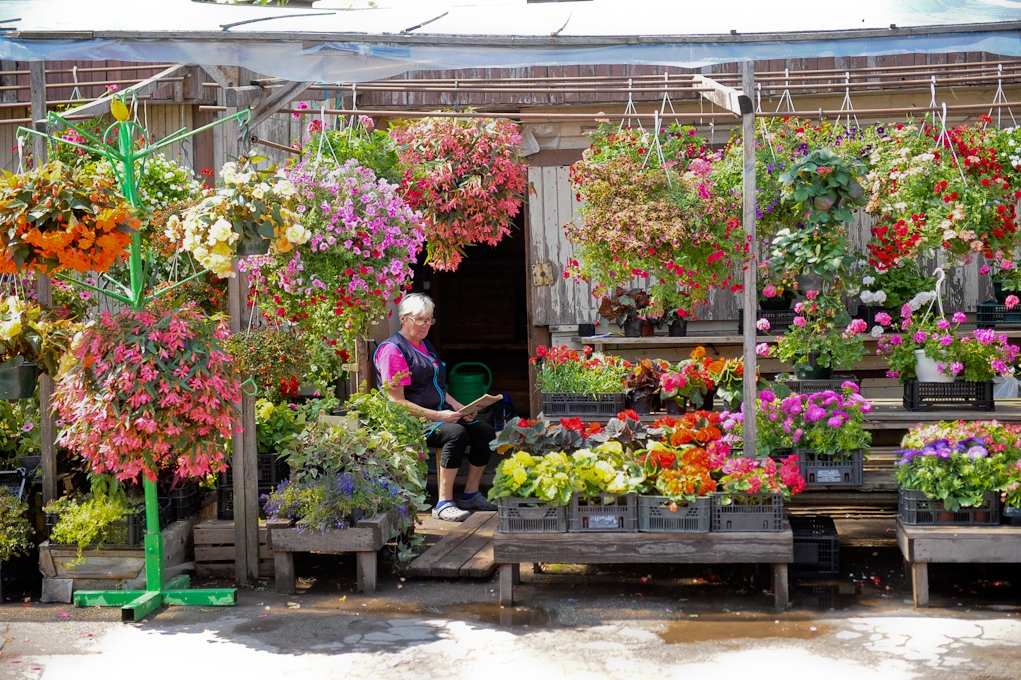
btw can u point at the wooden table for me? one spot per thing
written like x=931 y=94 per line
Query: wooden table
x=739 y=547
x=921 y=545
x=365 y=540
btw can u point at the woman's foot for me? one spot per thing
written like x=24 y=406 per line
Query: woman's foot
x=475 y=501
x=449 y=512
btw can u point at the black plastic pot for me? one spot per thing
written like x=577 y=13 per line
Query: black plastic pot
x=779 y=303
x=633 y=328
x=812 y=370
x=19 y=382
x=253 y=246
x=675 y=407
x=678 y=328
x=1001 y=295
x=642 y=405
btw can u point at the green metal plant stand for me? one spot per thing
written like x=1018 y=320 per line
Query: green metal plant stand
x=137 y=604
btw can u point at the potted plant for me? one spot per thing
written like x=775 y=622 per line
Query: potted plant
x=953 y=472
x=364 y=241
x=887 y=290
x=274 y=356
x=579 y=383
x=103 y=515
x=465 y=176
x=627 y=308
x=31 y=341
x=929 y=349
x=727 y=378
x=252 y=212
x=55 y=218
x=815 y=344
x=642 y=384
x=148 y=391
x=539 y=437
x=20 y=436
x=751 y=491
x=776 y=293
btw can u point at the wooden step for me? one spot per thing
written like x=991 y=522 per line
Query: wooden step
x=466 y=552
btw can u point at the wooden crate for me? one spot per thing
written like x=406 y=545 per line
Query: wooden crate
x=214 y=549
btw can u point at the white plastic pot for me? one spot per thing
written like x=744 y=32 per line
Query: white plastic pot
x=927 y=370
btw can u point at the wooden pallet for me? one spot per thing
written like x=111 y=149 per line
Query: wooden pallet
x=465 y=552
x=214 y=549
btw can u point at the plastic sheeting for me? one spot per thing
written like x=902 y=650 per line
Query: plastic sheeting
x=376 y=43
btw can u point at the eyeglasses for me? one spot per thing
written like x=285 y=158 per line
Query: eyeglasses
x=421 y=322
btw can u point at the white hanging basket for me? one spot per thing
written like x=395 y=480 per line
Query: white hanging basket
x=927 y=370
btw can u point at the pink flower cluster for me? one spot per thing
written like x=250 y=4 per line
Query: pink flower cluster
x=150 y=392
x=761 y=475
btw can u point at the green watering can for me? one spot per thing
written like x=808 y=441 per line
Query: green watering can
x=466 y=383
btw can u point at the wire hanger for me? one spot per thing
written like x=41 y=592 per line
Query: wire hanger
x=1000 y=98
x=630 y=110
x=785 y=96
x=846 y=107
x=944 y=137
x=75 y=93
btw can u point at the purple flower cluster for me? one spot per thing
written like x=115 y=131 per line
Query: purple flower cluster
x=973 y=448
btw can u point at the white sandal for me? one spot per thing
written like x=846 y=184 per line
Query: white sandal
x=451 y=513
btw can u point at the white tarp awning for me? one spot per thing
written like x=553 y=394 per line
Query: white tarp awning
x=346 y=41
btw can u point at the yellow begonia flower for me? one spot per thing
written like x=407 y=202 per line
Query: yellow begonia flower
x=264 y=409
x=10 y=329
x=519 y=477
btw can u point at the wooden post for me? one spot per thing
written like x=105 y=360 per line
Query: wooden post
x=367 y=571
x=780 y=586
x=44 y=292
x=920 y=583
x=507 y=584
x=750 y=293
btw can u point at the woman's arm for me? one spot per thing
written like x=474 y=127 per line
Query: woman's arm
x=397 y=394
x=468 y=417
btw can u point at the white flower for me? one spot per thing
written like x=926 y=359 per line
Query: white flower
x=10 y=329
x=868 y=280
x=866 y=297
x=879 y=296
x=297 y=234
x=260 y=190
x=876 y=331
x=219 y=231
x=284 y=189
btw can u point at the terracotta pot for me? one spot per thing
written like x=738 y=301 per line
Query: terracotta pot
x=945 y=517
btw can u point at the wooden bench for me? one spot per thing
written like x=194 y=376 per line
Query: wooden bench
x=365 y=539
x=775 y=548
x=921 y=545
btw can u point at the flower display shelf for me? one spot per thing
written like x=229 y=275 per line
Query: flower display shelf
x=820 y=470
x=603 y=513
x=813 y=386
x=530 y=516
x=867 y=313
x=561 y=404
x=816 y=546
x=746 y=512
x=914 y=508
x=992 y=314
x=779 y=319
x=919 y=396
x=656 y=515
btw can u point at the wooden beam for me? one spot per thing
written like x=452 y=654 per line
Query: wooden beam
x=280 y=97
x=725 y=97
x=101 y=106
x=750 y=295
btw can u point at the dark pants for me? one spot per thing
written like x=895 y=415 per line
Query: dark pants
x=453 y=438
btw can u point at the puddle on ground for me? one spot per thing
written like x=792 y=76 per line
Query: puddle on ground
x=484 y=612
x=692 y=631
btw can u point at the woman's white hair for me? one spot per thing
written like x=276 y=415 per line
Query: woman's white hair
x=416 y=304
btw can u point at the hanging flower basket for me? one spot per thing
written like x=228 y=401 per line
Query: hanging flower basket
x=18 y=382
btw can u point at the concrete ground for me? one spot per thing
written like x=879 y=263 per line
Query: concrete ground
x=571 y=622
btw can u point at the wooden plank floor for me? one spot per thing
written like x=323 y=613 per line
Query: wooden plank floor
x=465 y=551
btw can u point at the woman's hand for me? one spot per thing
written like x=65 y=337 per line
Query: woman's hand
x=448 y=416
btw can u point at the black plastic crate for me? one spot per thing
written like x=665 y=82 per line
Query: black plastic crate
x=868 y=313
x=530 y=516
x=915 y=508
x=993 y=314
x=185 y=502
x=746 y=512
x=820 y=470
x=563 y=404
x=225 y=501
x=14 y=481
x=166 y=510
x=779 y=319
x=659 y=514
x=603 y=513
x=814 y=386
x=270 y=470
x=128 y=530
x=919 y=396
x=816 y=546
x=1012 y=516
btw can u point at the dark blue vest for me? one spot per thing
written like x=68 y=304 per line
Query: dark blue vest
x=428 y=386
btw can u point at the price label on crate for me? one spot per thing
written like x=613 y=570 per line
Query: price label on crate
x=603 y=522
x=829 y=476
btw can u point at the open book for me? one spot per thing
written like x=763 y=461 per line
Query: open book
x=480 y=403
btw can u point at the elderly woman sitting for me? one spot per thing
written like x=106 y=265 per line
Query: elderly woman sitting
x=423 y=389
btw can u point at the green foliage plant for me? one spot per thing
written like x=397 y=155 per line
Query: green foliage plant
x=564 y=370
x=15 y=530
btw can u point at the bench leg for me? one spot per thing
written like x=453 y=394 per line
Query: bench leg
x=507 y=573
x=780 y=585
x=283 y=567
x=366 y=571
x=920 y=583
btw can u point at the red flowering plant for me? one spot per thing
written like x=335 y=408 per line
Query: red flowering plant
x=539 y=437
x=653 y=217
x=364 y=241
x=148 y=392
x=466 y=178
x=564 y=370
x=741 y=475
x=939 y=190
